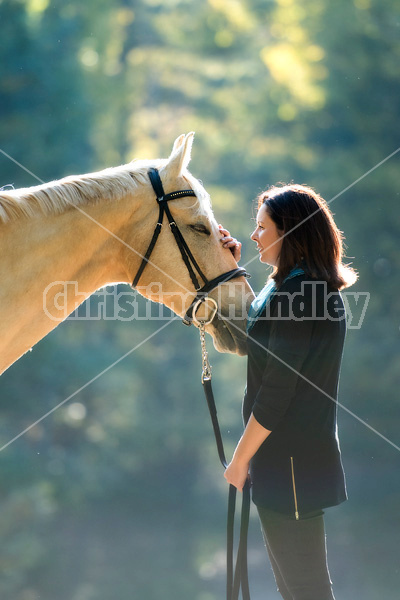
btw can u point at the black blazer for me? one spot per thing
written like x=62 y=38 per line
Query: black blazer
x=294 y=356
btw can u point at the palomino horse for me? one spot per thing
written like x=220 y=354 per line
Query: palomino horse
x=92 y=230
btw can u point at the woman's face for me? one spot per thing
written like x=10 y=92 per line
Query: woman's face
x=267 y=237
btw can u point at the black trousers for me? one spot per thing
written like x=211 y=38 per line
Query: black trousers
x=297 y=551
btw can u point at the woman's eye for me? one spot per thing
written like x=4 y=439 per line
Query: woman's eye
x=200 y=228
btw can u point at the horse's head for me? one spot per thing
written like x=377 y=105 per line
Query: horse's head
x=166 y=277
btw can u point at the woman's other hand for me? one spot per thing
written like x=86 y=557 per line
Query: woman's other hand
x=236 y=473
x=230 y=242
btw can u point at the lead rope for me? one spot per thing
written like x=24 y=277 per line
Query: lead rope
x=239 y=578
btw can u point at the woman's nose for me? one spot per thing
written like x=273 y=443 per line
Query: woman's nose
x=254 y=235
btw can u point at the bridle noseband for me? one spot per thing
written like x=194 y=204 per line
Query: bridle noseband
x=187 y=256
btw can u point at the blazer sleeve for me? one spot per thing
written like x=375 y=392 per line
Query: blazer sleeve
x=288 y=346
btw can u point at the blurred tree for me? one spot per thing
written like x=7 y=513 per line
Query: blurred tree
x=123 y=479
x=40 y=92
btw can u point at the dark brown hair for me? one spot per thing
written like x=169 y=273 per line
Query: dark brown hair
x=311 y=237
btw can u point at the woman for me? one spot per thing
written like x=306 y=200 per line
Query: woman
x=296 y=332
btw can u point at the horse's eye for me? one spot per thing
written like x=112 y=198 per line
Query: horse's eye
x=200 y=228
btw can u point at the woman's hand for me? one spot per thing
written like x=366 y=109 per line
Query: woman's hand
x=253 y=436
x=230 y=242
x=236 y=473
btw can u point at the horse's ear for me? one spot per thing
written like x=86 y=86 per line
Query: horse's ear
x=178 y=143
x=180 y=155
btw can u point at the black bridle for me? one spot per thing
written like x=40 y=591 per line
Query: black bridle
x=237 y=578
x=187 y=257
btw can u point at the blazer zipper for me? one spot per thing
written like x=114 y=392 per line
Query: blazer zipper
x=296 y=512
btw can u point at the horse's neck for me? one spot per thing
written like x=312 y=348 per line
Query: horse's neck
x=70 y=247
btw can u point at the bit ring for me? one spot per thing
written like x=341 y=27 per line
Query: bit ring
x=199 y=321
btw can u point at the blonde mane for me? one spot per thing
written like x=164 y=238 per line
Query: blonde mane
x=58 y=196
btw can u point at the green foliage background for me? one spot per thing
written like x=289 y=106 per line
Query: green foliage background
x=118 y=494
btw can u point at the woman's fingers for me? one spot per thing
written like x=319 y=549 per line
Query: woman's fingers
x=234 y=246
x=224 y=231
x=236 y=474
x=230 y=242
